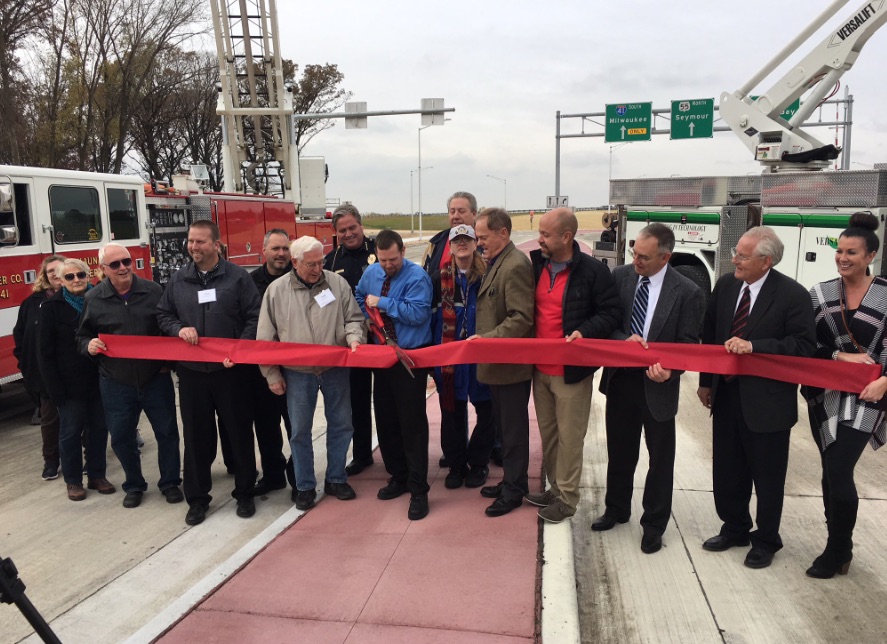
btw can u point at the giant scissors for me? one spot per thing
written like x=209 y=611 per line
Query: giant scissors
x=378 y=328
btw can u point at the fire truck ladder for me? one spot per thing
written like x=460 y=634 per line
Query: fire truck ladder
x=255 y=104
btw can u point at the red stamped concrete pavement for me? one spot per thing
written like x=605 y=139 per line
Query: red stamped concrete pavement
x=360 y=571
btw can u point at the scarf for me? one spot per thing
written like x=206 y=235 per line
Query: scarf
x=76 y=301
x=448 y=331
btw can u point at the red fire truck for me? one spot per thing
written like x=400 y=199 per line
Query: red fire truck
x=45 y=211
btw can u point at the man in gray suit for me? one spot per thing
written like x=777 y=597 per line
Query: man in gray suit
x=660 y=305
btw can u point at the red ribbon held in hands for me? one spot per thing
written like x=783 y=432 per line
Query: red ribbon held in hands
x=843 y=376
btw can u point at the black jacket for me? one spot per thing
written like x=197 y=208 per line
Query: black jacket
x=351 y=264
x=106 y=312
x=66 y=373
x=591 y=302
x=234 y=312
x=25 y=336
x=435 y=251
x=262 y=278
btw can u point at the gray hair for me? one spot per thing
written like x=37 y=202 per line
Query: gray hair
x=769 y=244
x=472 y=200
x=343 y=211
x=304 y=245
x=274 y=231
x=663 y=235
x=71 y=261
x=104 y=248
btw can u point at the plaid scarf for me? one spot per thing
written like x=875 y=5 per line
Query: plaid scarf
x=448 y=331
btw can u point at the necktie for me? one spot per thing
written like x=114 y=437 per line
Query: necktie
x=740 y=318
x=639 y=309
x=389 y=323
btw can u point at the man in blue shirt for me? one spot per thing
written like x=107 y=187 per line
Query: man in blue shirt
x=401 y=291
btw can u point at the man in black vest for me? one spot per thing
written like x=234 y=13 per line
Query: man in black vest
x=353 y=253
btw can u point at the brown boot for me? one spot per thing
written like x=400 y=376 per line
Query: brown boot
x=76 y=491
x=102 y=486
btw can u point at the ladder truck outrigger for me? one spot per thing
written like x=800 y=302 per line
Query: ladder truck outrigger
x=804 y=203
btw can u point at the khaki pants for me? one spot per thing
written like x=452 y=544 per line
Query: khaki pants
x=562 y=412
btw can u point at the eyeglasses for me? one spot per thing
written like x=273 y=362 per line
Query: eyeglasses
x=312 y=265
x=80 y=275
x=741 y=258
x=640 y=258
x=116 y=264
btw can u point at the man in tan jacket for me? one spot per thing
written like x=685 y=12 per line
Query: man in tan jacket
x=313 y=306
x=505 y=305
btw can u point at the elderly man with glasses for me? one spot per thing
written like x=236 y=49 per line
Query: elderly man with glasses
x=125 y=304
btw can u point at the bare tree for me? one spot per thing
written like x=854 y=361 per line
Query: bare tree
x=318 y=91
x=19 y=19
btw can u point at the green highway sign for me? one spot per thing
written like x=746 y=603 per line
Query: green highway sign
x=693 y=119
x=628 y=122
x=789 y=111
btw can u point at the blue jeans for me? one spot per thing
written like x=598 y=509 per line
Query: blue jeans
x=301 y=400
x=123 y=406
x=82 y=426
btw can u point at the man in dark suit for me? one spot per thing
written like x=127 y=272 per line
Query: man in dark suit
x=756 y=309
x=659 y=305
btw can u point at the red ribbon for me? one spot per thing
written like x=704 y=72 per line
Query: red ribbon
x=843 y=376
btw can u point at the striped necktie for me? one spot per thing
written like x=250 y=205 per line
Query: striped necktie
x=740 y=318
x=639 y=309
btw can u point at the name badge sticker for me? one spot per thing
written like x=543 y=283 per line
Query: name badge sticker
x=324 y=297
x=207 y=296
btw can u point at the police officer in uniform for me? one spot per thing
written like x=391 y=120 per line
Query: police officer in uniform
x=354 y=252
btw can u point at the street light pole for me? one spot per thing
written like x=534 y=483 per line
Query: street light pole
x=505 y=187
x=413 y=212
x=420 y=179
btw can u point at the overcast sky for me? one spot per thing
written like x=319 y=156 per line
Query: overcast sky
x=509 y=66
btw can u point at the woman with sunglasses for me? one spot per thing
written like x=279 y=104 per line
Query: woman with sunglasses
x=72 y=381
x=46 y=285
x=851 y=326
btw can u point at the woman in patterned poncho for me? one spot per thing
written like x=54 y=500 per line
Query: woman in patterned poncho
x=851 y=325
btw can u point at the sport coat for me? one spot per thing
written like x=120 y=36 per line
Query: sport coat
x=781 y=322
x=506 y=303
x=677 y=318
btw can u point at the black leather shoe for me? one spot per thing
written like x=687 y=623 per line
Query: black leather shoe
x=758 y=558
x=828 y=564
x=173 y=494
x=263 y=486
x=304 y=499
x=476 y=476
x=443 y=462
x=651 y=543
x=358 y=465
x=133 y=499
x=502 y=506
x=492 y=491
x=341 y=491
x=418 y=507
x=455 y=478
x=721 y=542
x=196 y=514
x=605 y=522
x=246 y=507
x=391 y=491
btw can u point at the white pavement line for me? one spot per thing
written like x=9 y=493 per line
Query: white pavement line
x=560 y=604
x=175 y=611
